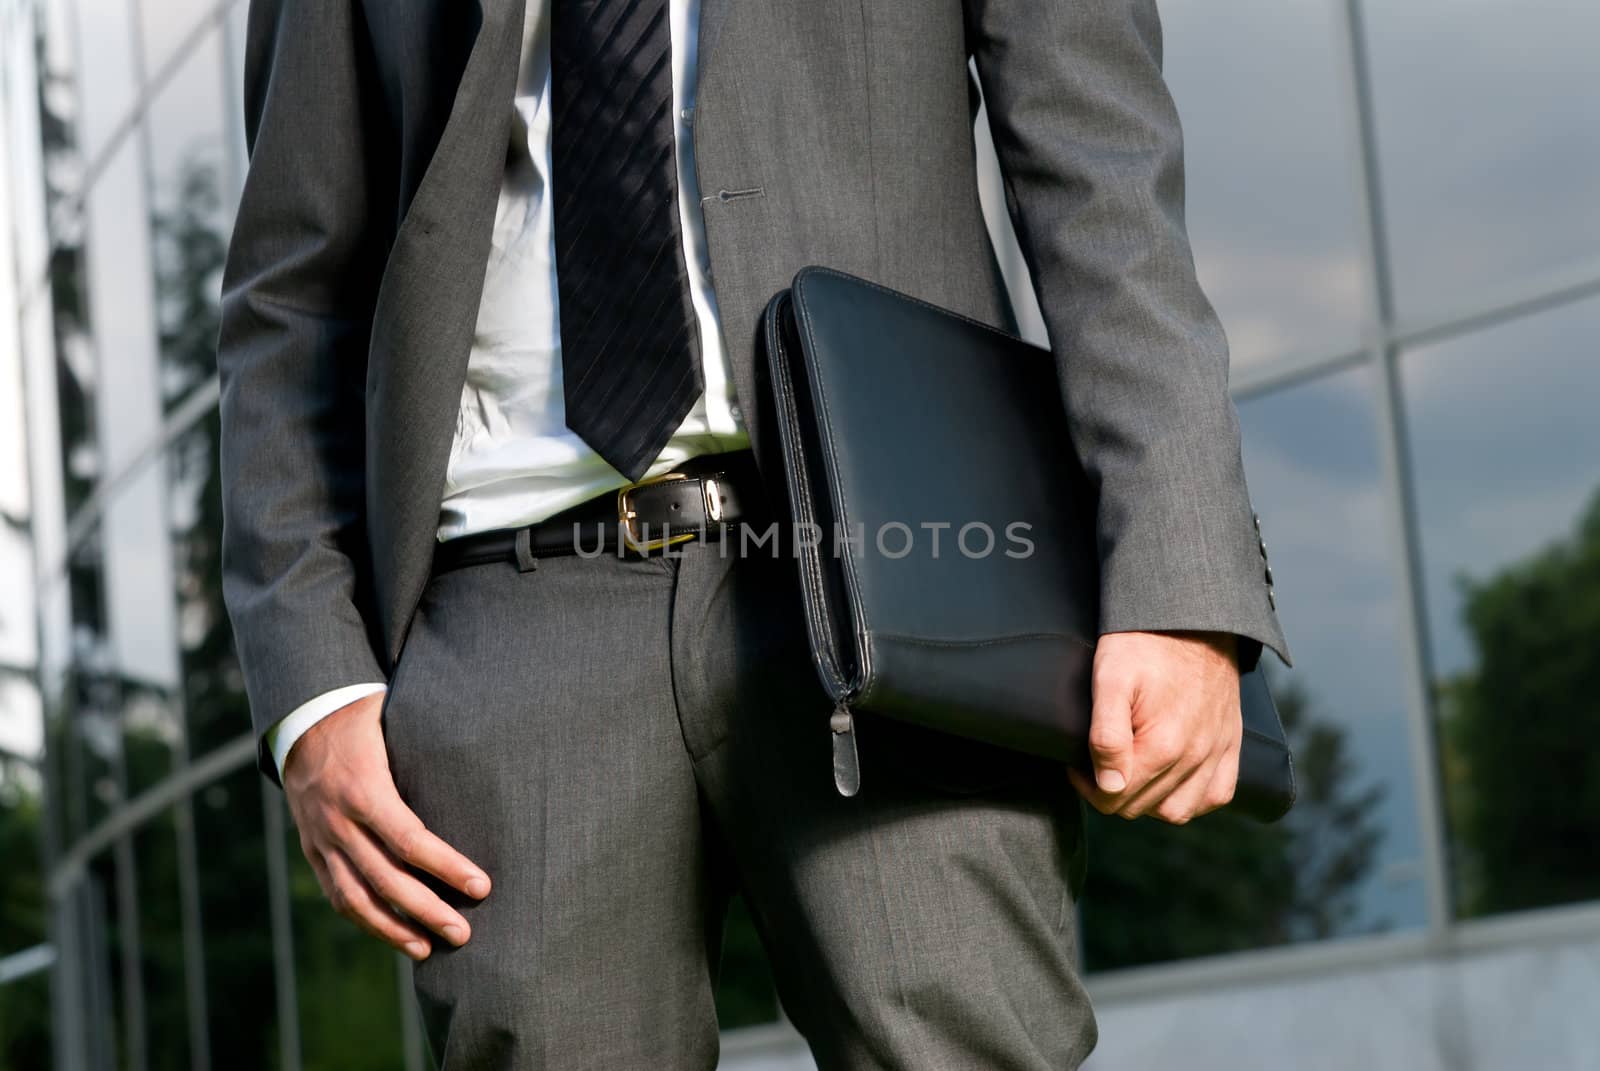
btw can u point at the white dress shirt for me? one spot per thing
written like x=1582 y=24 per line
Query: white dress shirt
x=513 y=461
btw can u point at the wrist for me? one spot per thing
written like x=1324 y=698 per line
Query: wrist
x=283 y=736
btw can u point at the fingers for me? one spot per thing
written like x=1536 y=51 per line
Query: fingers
x=1224 y=783
x=1159 y=762
x=1111 y=728
x=1213 y=782
x=355 y=900
x=393 y=884
x=1183 y=801
x=1179 y=757
x=404 y=835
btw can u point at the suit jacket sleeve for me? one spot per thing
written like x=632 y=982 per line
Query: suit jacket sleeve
x=1092 y=156
x=297 y=296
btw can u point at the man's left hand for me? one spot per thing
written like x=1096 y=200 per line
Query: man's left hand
x=1165 y=730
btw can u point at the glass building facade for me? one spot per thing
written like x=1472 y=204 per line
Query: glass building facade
x=1394 y=207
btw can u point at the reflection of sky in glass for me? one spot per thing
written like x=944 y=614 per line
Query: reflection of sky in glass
x=186 y=118
x=1505 y=445
x=1311 y=454
x=167 y=24
x=105 y=69
x=1271 y=191
x=187 y=141
x=1490 y=140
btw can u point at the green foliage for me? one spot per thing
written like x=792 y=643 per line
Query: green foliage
x=1522 y=765
x=746 y=995
x=24 y=1005
x=25 y=1024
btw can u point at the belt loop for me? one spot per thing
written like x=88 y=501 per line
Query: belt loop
x=526 y=562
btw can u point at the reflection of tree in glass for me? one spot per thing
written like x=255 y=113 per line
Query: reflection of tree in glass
x=69 y=308
x=190 y=245
x=1224 y=883
x=25 y=1005
x=1521 y=759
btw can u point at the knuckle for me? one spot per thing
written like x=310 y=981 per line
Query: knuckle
x=383 y=884
x=1177 y=816
x=408 y=843
x=1167 y=744
x=1104 y=739
x=1112 y=677
x=356 y=800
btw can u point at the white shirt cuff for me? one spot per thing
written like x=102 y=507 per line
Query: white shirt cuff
x=282 y=736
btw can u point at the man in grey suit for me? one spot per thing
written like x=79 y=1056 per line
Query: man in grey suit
x=497 y=260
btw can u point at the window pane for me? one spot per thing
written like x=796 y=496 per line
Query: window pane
x=22 y=892
x=190 y=217
x=216 y=709
x=1271 y=193
x=25 y=1027
x=168 y=25
x=103 y=38
x=88 y=758
x=104 y=960
x=1506 y=456
x=1346 y=859
x=141 y=675
x=230 y=835
x=1488 y=141
x=121 y=303
x=166 y=1008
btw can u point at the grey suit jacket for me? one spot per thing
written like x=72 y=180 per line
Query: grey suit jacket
x=834 y=132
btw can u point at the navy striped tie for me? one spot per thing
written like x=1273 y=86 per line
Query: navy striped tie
x=630 y=344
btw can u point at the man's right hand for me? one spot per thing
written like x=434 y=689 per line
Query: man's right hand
x=360 y=837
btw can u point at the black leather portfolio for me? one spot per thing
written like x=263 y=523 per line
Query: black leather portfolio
x=946 y=530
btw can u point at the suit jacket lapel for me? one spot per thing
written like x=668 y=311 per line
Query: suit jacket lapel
x=427 y=311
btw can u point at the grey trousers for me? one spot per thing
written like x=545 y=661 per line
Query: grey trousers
x=622 y=744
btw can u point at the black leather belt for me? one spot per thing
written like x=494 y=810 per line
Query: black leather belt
x=700 y=499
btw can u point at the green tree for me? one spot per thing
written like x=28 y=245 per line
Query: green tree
x=24 y=1005
x=1521 y=761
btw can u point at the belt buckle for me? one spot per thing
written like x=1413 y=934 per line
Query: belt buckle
x=627 y=516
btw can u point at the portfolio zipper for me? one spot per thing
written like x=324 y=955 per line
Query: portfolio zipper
x=846 y=762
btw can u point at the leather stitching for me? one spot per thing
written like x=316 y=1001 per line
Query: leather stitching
x=830 y=457
x=798 y=480
x=909 y=299
x=989 y=641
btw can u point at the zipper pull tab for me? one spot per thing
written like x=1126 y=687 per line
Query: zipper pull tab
x=846 y=763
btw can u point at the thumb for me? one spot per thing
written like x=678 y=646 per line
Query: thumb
x=1111 y=733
